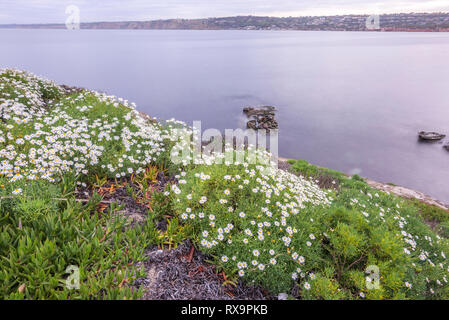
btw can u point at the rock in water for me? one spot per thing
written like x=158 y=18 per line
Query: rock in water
x=261 y=118
x=431 y=136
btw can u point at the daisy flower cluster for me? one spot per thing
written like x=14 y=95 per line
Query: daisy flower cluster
x=250 y=216
x=87 y=132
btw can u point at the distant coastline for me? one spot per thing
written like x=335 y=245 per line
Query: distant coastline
x=401 y=22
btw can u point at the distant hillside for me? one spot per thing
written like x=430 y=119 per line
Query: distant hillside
x=388 y=22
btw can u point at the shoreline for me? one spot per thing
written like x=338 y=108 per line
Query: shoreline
x=381 y=22
x=399 y=191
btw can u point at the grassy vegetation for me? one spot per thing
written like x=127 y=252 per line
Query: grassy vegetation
x=41 y=237
x=436 y=217
x=312 y=233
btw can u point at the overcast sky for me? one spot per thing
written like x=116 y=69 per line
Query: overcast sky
x=53 y=11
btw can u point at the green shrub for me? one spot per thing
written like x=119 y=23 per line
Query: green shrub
x=433 y=215
x=444 y=229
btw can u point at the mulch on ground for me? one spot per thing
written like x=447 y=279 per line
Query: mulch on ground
x=183 y=274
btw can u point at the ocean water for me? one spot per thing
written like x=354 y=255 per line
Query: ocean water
x=350 y=101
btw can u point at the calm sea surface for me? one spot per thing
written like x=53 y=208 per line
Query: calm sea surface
x=349 y=101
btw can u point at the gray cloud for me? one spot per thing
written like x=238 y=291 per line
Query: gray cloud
x=53 y=11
